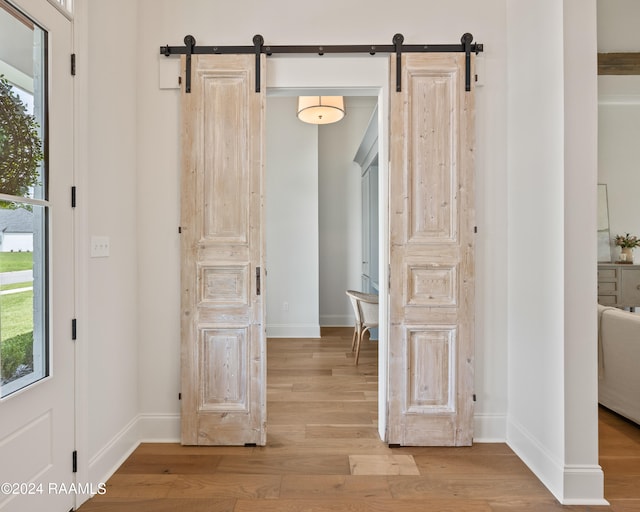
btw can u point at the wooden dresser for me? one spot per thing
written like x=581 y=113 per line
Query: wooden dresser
x=619 y=285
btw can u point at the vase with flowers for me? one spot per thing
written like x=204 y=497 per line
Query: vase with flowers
x=626 y=243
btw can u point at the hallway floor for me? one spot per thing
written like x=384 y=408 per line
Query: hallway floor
x=324 y=455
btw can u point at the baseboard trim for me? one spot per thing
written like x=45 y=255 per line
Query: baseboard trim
x=536 y=457
x=144 y=428
x=583 y=485
x=165 y=428
x=105 y=463
x=570 y=484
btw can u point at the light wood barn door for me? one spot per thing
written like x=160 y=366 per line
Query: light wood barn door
x=432 y=253
x=223 y=337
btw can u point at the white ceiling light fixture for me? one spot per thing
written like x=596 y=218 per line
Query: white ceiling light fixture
x=320 y=109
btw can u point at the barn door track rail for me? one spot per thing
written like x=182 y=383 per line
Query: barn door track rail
x=398 y=47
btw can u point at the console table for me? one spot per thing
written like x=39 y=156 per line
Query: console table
x=619 y=285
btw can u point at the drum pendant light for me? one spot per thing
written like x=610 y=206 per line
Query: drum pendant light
x=320 y=109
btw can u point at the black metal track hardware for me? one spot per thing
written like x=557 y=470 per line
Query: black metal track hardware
x=190 y=43
x=398 y=39
x=466 y=43
x=258 y=41
x=467 y=46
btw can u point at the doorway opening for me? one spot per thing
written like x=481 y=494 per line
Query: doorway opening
x=353 y=77
x=319 y=239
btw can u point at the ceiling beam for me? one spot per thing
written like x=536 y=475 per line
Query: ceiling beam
x=619 y=63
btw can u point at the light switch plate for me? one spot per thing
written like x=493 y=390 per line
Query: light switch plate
x=99 y=246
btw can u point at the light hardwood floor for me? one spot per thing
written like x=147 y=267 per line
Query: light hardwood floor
x=324 y=455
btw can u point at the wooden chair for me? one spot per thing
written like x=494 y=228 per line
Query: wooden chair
x=365 y=309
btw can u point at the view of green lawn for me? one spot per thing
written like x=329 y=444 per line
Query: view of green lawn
x=16 y=317
x=16 y=314
x=15 y=286
x=14 y=261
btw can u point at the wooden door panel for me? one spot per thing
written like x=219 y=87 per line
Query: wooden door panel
x=224 y=284
x=223 y=354
x=226 y=182
x=223 y=339
x=431 y=185
x=431 y=241
x=429 y=357
x=431 y=284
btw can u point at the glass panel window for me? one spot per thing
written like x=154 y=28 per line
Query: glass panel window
x=24 y=348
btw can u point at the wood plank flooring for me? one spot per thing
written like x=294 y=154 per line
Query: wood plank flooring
x=324 y=455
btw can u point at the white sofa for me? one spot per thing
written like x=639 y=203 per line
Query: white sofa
x=619 y=361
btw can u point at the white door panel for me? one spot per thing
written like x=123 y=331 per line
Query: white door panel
x=37 y=421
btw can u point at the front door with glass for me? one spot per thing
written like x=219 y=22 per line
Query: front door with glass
x=36 y=259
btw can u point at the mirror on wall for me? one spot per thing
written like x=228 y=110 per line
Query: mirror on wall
x=604 y=238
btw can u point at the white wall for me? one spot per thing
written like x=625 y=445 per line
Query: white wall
x=552 y=420
x=536 y=230
x=108 y=179
x=525 y=305
x=582 y=475
x=291 y=205
x=340 y=211
x=164 y=22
